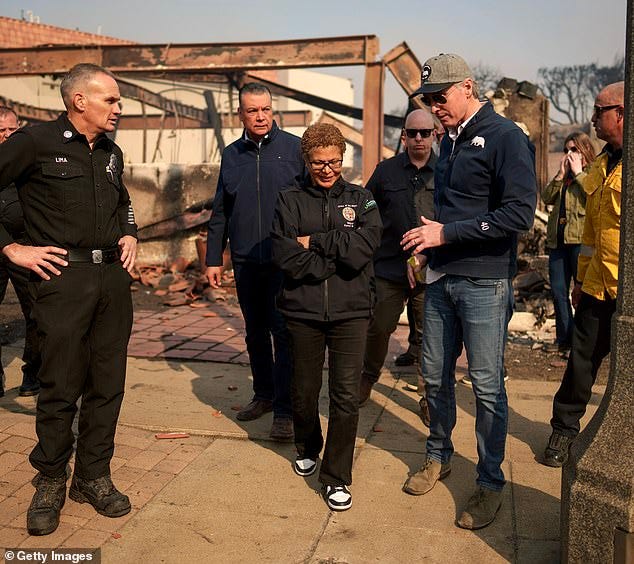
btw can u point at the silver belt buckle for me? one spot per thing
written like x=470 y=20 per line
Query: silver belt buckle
x=97 y=256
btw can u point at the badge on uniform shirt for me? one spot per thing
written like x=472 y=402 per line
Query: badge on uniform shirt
x=68 y=134
x=111 y=167
x=348 y=213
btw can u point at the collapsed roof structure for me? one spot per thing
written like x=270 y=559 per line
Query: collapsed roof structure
x=30 y=49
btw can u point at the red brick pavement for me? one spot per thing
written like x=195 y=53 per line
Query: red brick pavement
x=142 y=466
x=213 y=333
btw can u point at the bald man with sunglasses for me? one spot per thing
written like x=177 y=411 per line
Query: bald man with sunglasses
x=403 y=187
x=485 y=195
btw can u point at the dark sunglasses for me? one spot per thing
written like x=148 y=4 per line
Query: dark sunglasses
x=598 y=110
x=424 y=133
x=437 y=98
x=570 y=150
x=429 y=99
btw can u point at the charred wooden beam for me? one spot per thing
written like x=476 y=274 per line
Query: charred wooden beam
x=194 y=57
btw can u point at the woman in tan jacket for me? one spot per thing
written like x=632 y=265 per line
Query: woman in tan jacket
x=565 y=226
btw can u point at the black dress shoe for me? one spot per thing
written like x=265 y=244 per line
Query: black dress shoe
x=557 y=451
x=30 y=386
x=255 y=410
x=26 y=392
x=406 y=359
x=101 y=494
x=42 y=518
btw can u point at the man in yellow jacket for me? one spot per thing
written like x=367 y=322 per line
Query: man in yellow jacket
x=594 y=294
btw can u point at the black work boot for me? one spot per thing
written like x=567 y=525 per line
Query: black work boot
x=42 y=518
x=29 y=387
x=101 y=494
x=556 y=453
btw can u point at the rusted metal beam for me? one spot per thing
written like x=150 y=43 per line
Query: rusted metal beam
x=284 y=119
x=352 y=134
x=372 y=118
x=189 y=117
x=323 y=103
x=194 y=57
x=214 y=118
x=145 y=96
x=405 y=68
x=29 y=113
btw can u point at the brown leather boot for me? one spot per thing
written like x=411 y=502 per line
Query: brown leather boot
x=425 y=479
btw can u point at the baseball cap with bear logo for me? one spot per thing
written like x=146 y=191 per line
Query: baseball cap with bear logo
x=441 y=71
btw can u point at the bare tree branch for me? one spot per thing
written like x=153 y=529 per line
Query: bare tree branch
x=572 y=89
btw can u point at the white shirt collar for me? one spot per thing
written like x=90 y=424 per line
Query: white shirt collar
x=258 y=143
x=455 y=133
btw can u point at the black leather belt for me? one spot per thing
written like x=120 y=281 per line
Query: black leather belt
x=96 y=256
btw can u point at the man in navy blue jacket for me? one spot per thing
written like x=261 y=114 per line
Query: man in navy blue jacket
x=403 y=187
x=485 y=194
x=253 y=171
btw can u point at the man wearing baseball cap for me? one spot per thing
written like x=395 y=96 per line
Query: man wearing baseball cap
x=485 y=194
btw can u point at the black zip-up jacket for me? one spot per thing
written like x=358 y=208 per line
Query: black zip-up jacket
x=251 y=177
x=486 y=193
x=72 y=196
x=403 y=193
x=334 y=278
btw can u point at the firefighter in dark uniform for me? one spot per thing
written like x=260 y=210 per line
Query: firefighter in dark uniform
x=12 y=220
x=82 y=247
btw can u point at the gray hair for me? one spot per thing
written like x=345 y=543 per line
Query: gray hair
x=253 y=88
x=79 y=74
x=6 y=111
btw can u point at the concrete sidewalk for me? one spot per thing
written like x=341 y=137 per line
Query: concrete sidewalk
x=228 y=494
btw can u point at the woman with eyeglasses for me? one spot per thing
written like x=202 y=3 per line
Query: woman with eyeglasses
x=565 y=227
x=325 y=233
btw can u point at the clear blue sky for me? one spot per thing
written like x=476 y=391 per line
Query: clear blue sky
x=517 y=37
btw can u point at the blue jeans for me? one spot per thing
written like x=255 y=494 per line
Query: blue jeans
x=476 y=312
x=562 y=267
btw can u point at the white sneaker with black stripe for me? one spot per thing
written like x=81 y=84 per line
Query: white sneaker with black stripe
x=338 y=498
x=304 y=466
